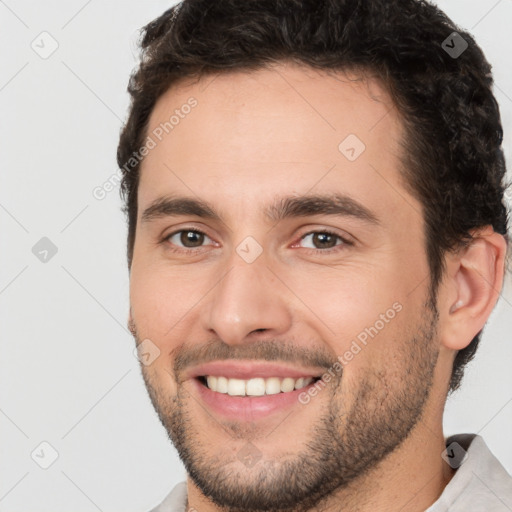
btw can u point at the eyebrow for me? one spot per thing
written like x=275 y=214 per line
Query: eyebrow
x=280 y=209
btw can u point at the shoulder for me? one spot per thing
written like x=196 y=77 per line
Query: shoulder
x=480 y=481
x=175 y=501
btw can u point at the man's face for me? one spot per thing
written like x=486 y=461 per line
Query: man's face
x=257 y=297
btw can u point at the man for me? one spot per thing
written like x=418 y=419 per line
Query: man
x=317 y=236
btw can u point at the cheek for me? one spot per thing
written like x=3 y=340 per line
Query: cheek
x=343 y=300
x=161 y=300
x=159 y=308
x=356 y=311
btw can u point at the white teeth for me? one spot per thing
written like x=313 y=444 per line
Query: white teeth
x=222 y=385
x=257 y=386
x=287 y=384
x=272 y=386
x=236 y=387
x=211 y=381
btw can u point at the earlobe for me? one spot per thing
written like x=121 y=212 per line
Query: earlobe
x=476 y=282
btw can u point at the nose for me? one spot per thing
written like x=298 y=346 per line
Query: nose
x=248 y=299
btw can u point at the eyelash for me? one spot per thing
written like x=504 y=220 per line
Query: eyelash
x=336 y=248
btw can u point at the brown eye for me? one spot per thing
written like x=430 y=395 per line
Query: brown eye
x=194 y=238
x=324 y=239
x=187 y=238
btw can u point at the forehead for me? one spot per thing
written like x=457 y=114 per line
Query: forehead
x=281 y=128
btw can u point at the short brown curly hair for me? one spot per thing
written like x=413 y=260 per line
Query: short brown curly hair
x=453 y=162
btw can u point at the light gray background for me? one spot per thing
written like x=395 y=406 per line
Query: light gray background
x=68 y=375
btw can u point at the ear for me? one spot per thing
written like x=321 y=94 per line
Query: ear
x=471 y=287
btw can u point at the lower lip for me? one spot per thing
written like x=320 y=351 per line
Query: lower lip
x=248 y=408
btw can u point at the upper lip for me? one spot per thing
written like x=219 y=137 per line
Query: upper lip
x=244 y=369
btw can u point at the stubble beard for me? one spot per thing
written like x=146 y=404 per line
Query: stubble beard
x=343 y=445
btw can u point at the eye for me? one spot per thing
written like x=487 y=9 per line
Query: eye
x=188 y=239
x=325 y=241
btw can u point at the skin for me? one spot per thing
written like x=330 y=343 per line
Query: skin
x=373 y=438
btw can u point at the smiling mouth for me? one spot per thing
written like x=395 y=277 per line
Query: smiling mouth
x=257 y=386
